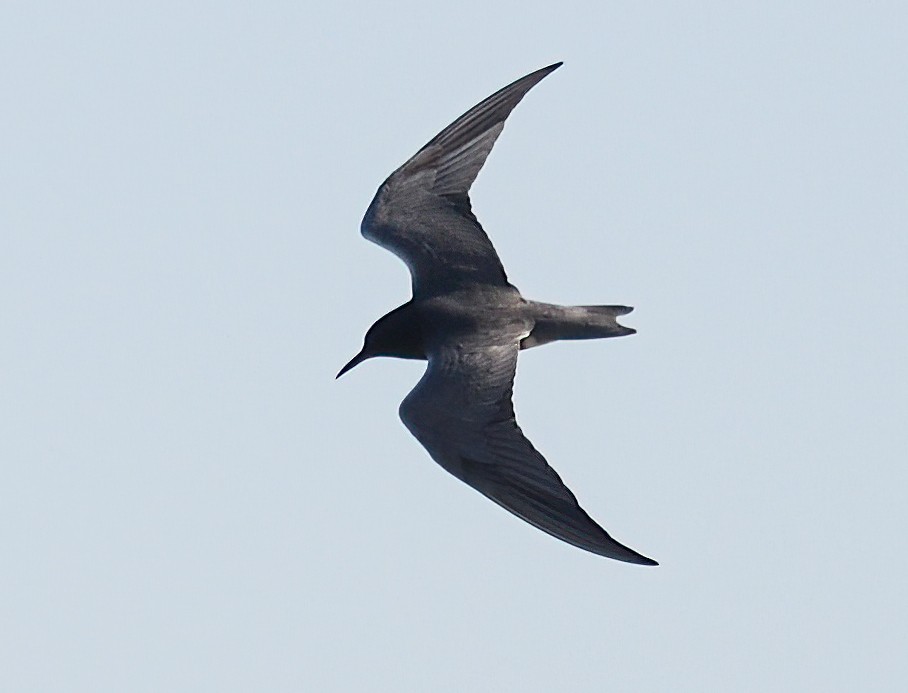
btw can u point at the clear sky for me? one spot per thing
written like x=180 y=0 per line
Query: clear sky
x=190 y=502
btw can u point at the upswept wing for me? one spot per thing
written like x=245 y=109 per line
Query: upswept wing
x=461 y=412
x=422 y=212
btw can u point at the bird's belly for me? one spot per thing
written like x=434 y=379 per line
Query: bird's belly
x=474 y=314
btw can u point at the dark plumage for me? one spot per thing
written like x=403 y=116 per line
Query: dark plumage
x=470 y=323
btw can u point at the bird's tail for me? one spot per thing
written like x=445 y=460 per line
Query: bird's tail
x=575 y=322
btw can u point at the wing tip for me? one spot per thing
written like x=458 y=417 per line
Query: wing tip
x=543 y=72
x=626 y=554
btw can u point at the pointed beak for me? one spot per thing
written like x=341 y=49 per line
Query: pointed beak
x=355 y=361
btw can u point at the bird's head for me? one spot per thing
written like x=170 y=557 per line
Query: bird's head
x=395 y=334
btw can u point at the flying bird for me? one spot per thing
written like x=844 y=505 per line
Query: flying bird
x=470 y=323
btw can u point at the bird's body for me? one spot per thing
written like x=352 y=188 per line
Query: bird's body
x=470 y=323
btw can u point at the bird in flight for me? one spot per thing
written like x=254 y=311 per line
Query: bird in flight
x=470 y=323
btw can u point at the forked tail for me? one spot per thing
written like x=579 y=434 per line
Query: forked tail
x=575 y=322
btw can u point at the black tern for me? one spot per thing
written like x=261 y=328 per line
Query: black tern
x=469 y=323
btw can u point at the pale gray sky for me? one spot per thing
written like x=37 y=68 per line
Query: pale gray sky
x=190 y=502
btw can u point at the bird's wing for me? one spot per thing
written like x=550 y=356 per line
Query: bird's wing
x=422 y=212
x=461 y=411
